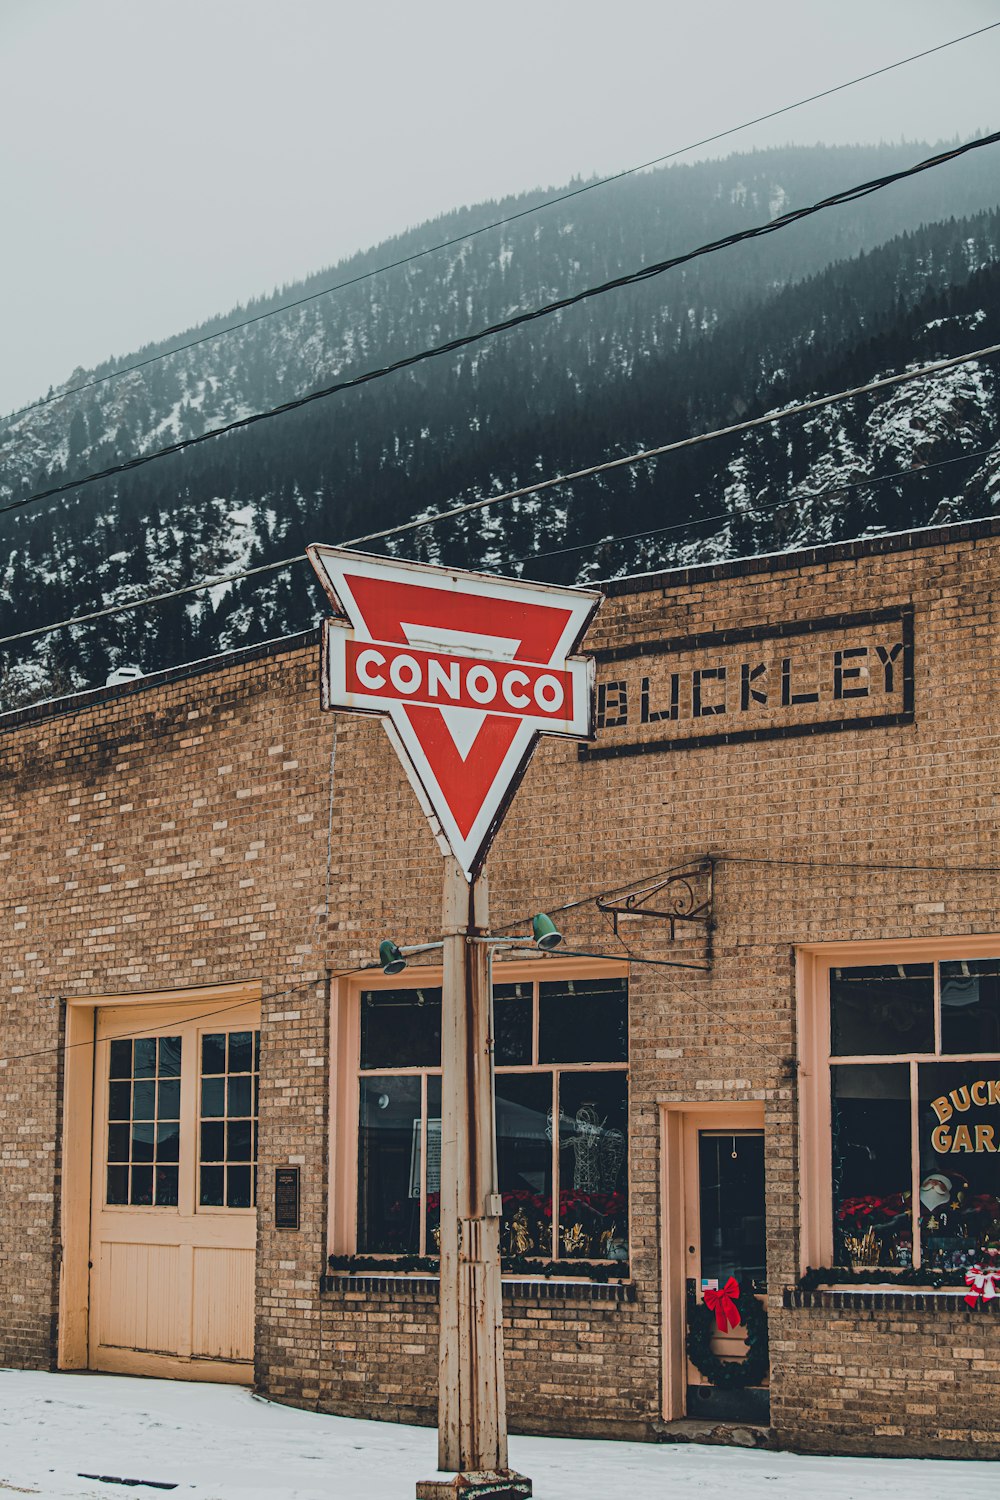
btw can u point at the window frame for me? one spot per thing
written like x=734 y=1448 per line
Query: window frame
x=346 y=1074
x=814 y=963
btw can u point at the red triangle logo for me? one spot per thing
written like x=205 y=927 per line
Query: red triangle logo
x=387 y=605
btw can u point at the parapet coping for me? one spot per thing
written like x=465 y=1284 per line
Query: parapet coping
x=542 y=1289
x=804 y=557
x=54 y=708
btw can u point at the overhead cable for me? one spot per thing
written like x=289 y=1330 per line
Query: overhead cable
x=464 y=341
x=764 y=507
x=460 y=239
x=905 y=376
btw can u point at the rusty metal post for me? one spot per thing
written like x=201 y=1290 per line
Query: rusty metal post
x=472 y=1407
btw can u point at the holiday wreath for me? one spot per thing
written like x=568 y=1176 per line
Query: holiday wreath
x=716 y=1313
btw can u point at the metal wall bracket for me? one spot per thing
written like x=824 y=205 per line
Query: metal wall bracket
x=681 y=895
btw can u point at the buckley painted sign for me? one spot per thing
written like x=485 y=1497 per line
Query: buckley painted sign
x=465 y=670
x=766 y=681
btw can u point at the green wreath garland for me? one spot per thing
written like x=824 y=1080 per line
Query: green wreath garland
x=729 y=1374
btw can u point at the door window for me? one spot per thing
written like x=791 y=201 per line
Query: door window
x=731 y=1195
x=146 y=1139
x=229 y=1090
x=144 y=1111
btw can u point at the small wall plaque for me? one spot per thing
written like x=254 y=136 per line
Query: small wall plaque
x=286 y=1198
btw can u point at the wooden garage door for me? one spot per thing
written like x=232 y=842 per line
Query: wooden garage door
x=174 y=1219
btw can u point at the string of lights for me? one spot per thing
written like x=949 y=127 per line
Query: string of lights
x=517 y=320
x=461 y=239
x=902 y=377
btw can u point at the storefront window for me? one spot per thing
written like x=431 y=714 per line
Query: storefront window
x=561 y=1053
x=915 y=1140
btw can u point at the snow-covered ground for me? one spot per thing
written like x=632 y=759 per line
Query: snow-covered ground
x=214 y=1442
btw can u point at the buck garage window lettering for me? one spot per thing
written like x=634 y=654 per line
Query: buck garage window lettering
x=915 y=1113
x=561 y=1053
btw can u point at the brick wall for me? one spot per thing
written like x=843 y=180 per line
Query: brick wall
x=177 y=831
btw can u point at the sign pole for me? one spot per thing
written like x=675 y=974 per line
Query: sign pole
x=472 y=1411
x=465 y=671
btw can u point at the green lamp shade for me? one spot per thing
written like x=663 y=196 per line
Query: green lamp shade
x=390 y=958
x=544 y=931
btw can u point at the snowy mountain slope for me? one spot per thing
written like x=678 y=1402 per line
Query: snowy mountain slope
x=894 y=280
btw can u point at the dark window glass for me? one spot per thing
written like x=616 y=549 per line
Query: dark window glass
x=145 y=1057
x=240 y=1052
x=213 y=1141
x=240 y=1096
x=118 y=1184
x=168 y=1104
x=168 y=1141
x=238 y=1187
x=256 y=1051
x=731 y=1194
x=512 y=1023
x=144 y=1100
x=121 y=1059
x=229 y=1126
x=401 y=1029
x=959 y=1142
x=119 y=1101
x=170 y=1056
x=142 y=1186
x=593 y=1165
x=213 y=1096
x=433 y=1236
x=166 y=1186
x=238 y=1136
x=388 y=1166
x=583 y=1020
x=148 y=1110
x=884 y=1009
x=213 y=1053
x=212 y=1184
x=872 y=1185
x=524 y=1156
x=970 y=1005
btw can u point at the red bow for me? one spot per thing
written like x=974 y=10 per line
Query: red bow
x=980 y=1281
x=722 y=1302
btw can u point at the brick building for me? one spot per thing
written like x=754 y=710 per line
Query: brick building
x=794 y=777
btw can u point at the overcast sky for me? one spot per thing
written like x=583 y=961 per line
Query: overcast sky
x=163 y=160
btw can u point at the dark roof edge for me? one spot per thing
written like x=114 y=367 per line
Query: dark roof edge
x=52 y=708
x=777 y=562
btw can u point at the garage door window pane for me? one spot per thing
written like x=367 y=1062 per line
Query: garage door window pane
x=227 y=1133
x=143 y=1123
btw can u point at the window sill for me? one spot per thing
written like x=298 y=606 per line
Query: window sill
x=888 y=1298
x=519 y=1288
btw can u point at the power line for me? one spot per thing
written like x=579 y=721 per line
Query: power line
x=730 y=515
x=938 y=367
x=922 y=372
x=461 y=239
x=128 y=1036
x=631 y=278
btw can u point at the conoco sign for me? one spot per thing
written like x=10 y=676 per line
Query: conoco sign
x=466 y=672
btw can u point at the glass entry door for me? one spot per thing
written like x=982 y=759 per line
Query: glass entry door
x=725 y=1229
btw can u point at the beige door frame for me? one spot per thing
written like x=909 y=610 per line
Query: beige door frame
x=77 y=1139
x=679 y=1124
